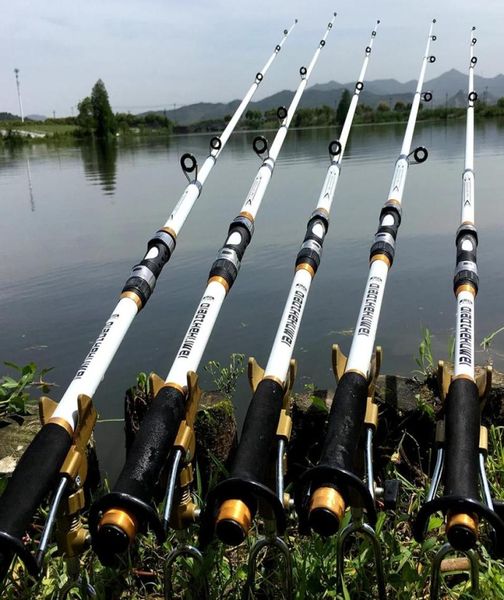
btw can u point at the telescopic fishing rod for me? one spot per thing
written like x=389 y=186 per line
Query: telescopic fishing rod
x=234 y=502
x=462 y=442
x=37 y=472
x=167 y=432
x=327 y=490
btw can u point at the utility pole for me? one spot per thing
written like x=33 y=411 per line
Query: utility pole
x=16 y=71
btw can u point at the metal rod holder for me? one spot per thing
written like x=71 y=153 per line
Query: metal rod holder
x=484 y=482
x=76 y=581
x=170 y=488
x=280 y=470
x=189 y=551
x=271 y=541
x=436 y=570
x=436 y=476
x=84 y=587
x=51 y=520
x=369 y=462
x=366 y=531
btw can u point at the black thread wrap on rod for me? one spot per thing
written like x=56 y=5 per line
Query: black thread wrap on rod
x=385 y=237
x=35 y=476
x=466 y=271
x=135 y=487
x=462 y=427
x=311 y=249
x=227 y=263
x=144 y=275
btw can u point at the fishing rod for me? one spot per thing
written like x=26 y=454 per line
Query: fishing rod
x=462 y=442
x=167 y=430
x=325 y=491
x=235 y=501
x=37 y=472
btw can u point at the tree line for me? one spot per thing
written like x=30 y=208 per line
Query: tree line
x=328 y=116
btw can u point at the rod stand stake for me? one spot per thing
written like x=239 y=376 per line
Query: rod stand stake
x=199 y=583
x=357 y=526
x=442 y=565
x=268 y=543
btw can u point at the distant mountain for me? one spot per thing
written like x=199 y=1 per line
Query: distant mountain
x=35 y=118
x=6 y=116
x=449 y=87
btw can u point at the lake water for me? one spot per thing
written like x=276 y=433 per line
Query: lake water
x=74 y=219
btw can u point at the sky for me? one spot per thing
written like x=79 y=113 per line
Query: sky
x=155 y=54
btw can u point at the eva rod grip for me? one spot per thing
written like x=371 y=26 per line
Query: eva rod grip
x=34 y=477
x=462 y=430
x=346 y=422
x=152 y=445
x=253 y=455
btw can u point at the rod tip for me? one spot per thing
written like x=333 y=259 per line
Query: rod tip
x=474 y=28
x=295 y=20
x=335 y=14
x=433 y=20
x=378 y=21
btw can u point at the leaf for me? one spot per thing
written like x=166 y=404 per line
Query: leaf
x=428 y=544
x=29 y=369
x=318 y=403
x=9 y=383
x=12 y=365
x=434 y=523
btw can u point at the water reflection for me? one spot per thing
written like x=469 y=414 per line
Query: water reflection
x=100 y=164
x=30 y=185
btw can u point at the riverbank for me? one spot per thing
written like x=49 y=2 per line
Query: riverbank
x=403 y=451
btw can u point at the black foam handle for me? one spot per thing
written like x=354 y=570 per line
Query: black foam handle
x=254 y=450
x=34 y=477
x=346 y=422
x=152 y=445
x=462 y=431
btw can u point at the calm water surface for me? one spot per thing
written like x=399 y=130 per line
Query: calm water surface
x=75 y=219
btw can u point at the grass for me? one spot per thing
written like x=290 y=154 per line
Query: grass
x=407 y=563
x=46 y=127
x=15 y=397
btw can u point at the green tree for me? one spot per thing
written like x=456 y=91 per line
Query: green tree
x=500 y=102
x=399 y=106
x=85 y=118
x=343 y=105
x=105 y=122
x=383 y=107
